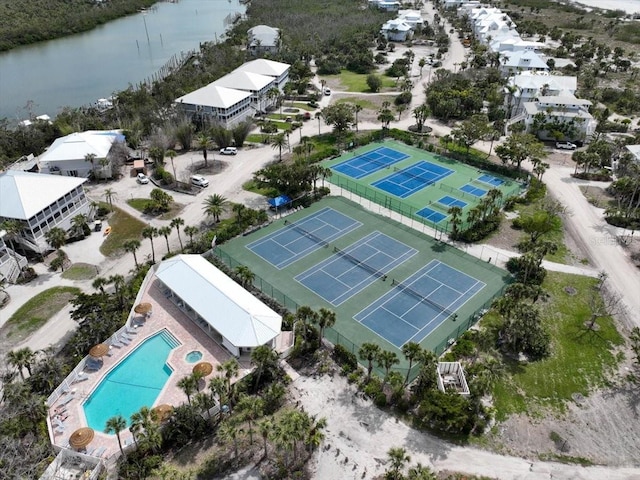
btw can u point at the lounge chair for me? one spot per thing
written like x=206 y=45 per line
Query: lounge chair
x=57 y=422
x=99 y=452
x=131 y=331
x=66 y=399
x=126 y=335
x=80 y=377
x=116 y=343
x=59 y=430
x=124 y=340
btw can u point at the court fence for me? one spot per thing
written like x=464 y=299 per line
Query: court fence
x=336 y=338
x=400 y=206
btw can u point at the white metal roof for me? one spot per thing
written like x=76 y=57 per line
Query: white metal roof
x=635 y=150
x=537 y=80
x=264 y=67
x=77 y=145
x=234 y=312
x=214 y=96
x=248 y=81
x=263 y=35
x=23 y=194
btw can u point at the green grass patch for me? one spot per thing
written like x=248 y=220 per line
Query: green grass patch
x=566 y=459
x=581 y=360
x=123 y=227
x=35 y=313
x=365 y=104
x=302 y=106
x=140 y=204
x=251 y=186
x=357 y=82
x=80 y=271
x=258 y=138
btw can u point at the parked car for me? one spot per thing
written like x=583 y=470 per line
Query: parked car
x=566 y=145
x=199 y=181
x=327 y=91
x=142 y=179
x=228 y=151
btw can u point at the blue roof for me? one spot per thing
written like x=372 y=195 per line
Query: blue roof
x=279 y=201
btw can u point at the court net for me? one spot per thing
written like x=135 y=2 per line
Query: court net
x=306 y=233
x=405 y=173
x=359 y=263
x=378 y=162
x=418 y=296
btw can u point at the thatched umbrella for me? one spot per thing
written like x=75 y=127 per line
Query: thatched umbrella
x=143 y=308
x=99 y=350
x=81 y=437
x=162 y=412
x=203 y=368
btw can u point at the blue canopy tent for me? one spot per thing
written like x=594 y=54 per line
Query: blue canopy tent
x=281 y=201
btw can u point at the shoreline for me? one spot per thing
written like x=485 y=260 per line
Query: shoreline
x=631 y=7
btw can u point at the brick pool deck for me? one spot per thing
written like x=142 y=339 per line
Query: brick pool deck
x=167 y=316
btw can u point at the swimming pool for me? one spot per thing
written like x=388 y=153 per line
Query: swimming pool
x=135 y=382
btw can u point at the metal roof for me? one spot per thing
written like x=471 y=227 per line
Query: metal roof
x=77 y=145
x=230 y=309
x=214 y=96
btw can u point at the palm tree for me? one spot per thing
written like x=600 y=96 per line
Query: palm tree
x=56 y=237
x=118 y=282
x=397 y=458
x=245 y=275
x=115 y=425
x=411 y=351
x=265 y=427
x=307 y=316
x=172 y=154
x=356 y=109
x=369 y=352
x=386 y=360
x=91 y=157
x=177 y=223
x=204 y=143
x=21 y=359
x=131 y=246
x=229 y=430
x=326 y=319
x=99 y=283
x=239 y=209
x=420 y=472
x=189 y=385
x=214 y=205
x=12 y=229
x=205 y=402
x=109 y=195
x=229 y=369
x=165 y=232
x=279 y=142
x=455 y=221
x=218 y=386
x=150 y=233
x=251 y=408
x=79 y=224
x=190 y=231
x=265 y=359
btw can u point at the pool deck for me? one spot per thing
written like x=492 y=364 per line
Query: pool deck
x=167 y=316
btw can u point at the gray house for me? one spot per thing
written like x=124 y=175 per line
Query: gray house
x=263 y=39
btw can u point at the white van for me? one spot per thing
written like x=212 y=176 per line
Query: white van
x=199 y=181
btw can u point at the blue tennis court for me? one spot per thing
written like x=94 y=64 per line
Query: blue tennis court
x=491 y=180
x=431 y=215
x=409 y=180
x=449 y=202
x=351 y=270
x=416 y=307
x=475 y=191
x=370 y=162
x=298 y=239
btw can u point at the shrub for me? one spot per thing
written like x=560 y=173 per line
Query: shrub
x=535 y=275
x=403 y=99
x=344 y=357
x=380 y=400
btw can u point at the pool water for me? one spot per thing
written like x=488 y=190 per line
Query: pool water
x=135 y=382
x=193 y=357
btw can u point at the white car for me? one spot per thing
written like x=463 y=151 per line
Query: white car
x=566 y=145
x=228 y=151
x=142 y=179
x=199 y=180
x=327 y=91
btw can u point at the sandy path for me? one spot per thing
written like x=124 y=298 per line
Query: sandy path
x=358 y=436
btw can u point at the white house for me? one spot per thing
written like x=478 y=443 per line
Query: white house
x=516 y=62
x=214 y=103
x=397 y=30
x=11 y=262
x=227 y=312
x=69 y=155
x=560 y=108
x=385 y=5
x=254 y=83
x=635 y=151
x=40 y=202
x=527 y=86
x=263 y=39
x=413 y=18
x=278 y=70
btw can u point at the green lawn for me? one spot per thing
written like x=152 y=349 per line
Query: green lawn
x=357 y=82
x=556 y=237
x=80 y=271
x=365 y=104
x=35 y=313
x=140 y=204
x=580 y=361
x=251 y=186
x=258 y=138
x=123 y=227
x=302 y=106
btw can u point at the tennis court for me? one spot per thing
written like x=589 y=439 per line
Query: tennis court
x=473 y=190
x=370 y=162
x=418 y=305
x=351 y=270
x=412 y=179
x=491 y=180
x=298 y=239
